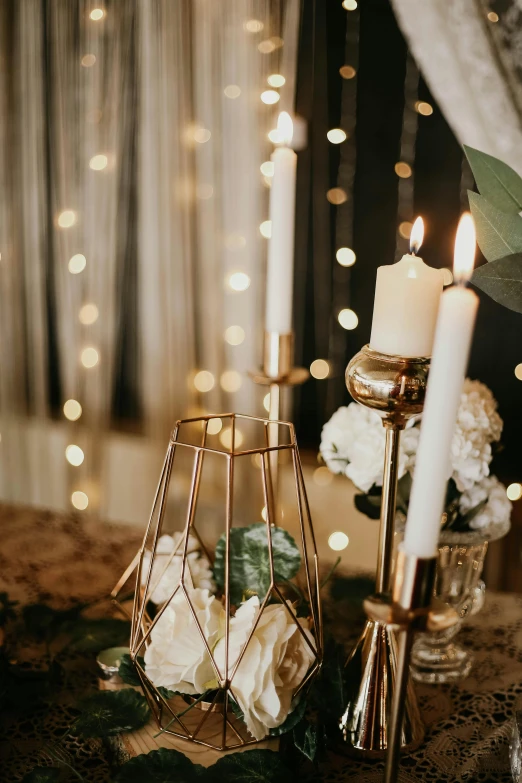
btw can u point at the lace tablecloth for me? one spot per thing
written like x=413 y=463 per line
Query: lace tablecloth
x=58 y=560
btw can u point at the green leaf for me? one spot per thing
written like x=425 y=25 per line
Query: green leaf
x=496 y=181
x=110 y=712
x=42 y=775
x=305 y=739
x=160 y=766
x=96 y=635
x=252 y=766
x=502 y=281
x=127 y=670
x=498 y=234
x=249 y=559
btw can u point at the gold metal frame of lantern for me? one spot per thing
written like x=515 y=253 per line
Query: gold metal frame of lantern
x=232 y=731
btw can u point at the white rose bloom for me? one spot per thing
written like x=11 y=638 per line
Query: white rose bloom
x=167 y=576
x=478 y=425
x=497 y=510
x=274 y=663
x=352 y=442
x=177 y=657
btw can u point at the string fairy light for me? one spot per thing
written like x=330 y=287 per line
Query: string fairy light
x=265 y=229
x=319 y=369
x=77 y=263
x=234 y=335
x=276 y=80
x=336 y=136
x=79 y=500
x=514 y=491
x=518 y=372
x=72 y=410
x=204 y=381
x=238 y=281
x=270 y=97
x=74 y=455
x=97 y=14
x=67 y=218
x=98 y=162
x=89 y=357
x=338 y=541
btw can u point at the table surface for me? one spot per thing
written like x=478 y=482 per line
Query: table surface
x=60 y=560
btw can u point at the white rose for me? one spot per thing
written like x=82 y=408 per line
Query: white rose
x=166 y=575
x=352 y=442
x=274 y=663
x=177 y=657
x=497 y=510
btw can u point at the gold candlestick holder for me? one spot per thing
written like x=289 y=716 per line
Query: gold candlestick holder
x=276 y=373
x=410 y=608
x=394 y=387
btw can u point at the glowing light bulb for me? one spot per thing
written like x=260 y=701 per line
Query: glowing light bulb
x=239 y=281
x=204 y=381
x=322 y=476
x=77 y=264
x=230 y=381
x=89 y=357
x=79 y=500
x=338 y=541
x=267 y=168
x=67 y=218
x=403 y=170
x=234 y=335
x=88 y=314
x=319 y=369
x=345 y=256
x=266 y=229
x=74 y=455
x=98 y=162
x=336 y=196
x=348 y=319
x=214 y=426
x=232 y=91
x=88 y=60
x=276 y=80
x=270 y=96
x=72 y=410
x=336 y=136
x=514 y=491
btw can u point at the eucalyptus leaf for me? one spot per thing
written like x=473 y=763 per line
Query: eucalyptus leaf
x=496 y=181
x=253 y=766
x=42 y=775
x=305 y=739
x=127 y=670
x=502 y=281
x=498 y=233
x=110 y=712
x=249 y=559
x=96 y=635
x=160 y=766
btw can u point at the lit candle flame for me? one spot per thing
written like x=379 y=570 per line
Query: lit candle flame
x=416 y=236
x=464 y=257
x=285 y=128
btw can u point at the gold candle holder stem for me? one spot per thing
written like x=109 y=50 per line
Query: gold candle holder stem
x=388 y=507
x=277 y=372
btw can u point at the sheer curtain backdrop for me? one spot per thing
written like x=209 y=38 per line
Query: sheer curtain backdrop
x=131 y=138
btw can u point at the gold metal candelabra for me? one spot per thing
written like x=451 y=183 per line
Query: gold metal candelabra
x=276 y=373
x=395 y=387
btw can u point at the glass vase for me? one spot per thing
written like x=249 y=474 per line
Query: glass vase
x=437 y=657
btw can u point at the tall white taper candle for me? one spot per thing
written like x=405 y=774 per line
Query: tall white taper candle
x=280 y=273
x=453 y=335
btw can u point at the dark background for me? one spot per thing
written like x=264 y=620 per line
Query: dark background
x=437 y=173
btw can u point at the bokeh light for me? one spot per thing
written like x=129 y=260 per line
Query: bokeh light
x=345 y=256
x=77 y=264
x=238 y=281
x=72 y=410
x=338 y=541
x=319 y=369
x=348 y=319
x=234 y=335
x=79 y=500
x=89 y=357
x=204 y=381
x=74 y=455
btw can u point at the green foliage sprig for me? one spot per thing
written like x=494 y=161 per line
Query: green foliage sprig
x=498 y=222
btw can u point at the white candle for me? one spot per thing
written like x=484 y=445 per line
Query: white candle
x=407 y=296
x=458 y=309
x=280 y=274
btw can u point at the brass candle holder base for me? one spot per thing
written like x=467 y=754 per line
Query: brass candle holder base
x=277 y=372
x=394 y=387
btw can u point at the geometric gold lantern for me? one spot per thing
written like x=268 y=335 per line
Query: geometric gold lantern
x=212 y=639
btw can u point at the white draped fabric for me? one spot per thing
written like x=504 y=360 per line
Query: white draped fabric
x=119 y=142
x=462 y=57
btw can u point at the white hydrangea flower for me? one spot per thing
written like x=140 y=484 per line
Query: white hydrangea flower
x=165 y=577
x=274 y=663
x=478 y=425
x=352 y=442
x=177 y=657
x=497 y=510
